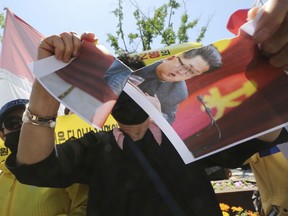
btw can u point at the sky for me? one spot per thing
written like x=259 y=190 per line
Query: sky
x=53 y=17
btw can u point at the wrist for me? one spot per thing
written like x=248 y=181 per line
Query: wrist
x=45 y=121
x=41 y=102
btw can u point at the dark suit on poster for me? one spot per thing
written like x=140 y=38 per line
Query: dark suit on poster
x=170 y=94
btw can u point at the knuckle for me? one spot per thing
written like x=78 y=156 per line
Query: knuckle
x=270 y=48
x=279 y=60
x=65 y=34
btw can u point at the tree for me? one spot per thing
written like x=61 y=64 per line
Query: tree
x=2 y=23
x=160 y=25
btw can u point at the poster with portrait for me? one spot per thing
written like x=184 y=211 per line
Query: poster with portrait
x=205 y=99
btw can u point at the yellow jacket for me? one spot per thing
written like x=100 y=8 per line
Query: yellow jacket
x=4 y=151
x=17 y=199
x=271 y=174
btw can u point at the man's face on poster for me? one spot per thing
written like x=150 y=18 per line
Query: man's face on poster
x=178 y=68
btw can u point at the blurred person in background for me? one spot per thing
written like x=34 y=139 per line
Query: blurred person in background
x=24 y=200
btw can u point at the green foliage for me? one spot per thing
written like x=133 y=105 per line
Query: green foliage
x=202 y=34
x=118 y=12
x=2 y=20
x=182 y=33
x=2 y=23
x=114 y=42
x=169 y=36
x=158 y=26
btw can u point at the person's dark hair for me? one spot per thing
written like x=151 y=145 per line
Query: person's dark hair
x=209 y=53
x=127 y=111
x=132 y=61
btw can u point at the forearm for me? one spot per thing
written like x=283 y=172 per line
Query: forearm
x=37 y=142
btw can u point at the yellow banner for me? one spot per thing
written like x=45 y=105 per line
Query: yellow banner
x=69 y=126
x=3 y=151
x=151 y=56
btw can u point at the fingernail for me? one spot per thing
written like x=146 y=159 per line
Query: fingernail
x=66 y=59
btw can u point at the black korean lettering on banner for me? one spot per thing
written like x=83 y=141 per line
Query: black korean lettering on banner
x=106 y=128
x=3 y=151
x=61 y=137
x=109 y=127
x=144 y=56
x=79 y=133
x=70 y=134
x=165 y=52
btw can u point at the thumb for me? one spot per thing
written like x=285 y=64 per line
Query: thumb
x=273 y=15
x=89 y=36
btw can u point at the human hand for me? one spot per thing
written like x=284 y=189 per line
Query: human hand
x=271 y=136
x=271 y=31
x=64 y=46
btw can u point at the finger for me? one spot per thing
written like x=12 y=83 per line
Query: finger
x=279 y=40
x=88 y=36
x=76 y=44
x=68 y=52
x=47 y=46
x=280 y=59
x=252 y=13
x=274 y=12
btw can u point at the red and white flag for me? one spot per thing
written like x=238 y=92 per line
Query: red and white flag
x=19 y=47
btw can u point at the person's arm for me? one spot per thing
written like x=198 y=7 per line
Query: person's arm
x=37 y=142
x=272 y=31
x=236 y=156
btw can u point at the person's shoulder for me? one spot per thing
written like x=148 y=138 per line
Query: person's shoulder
x=181 y=85
x=88 y=138
x=91 y=141
x=99 y=135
